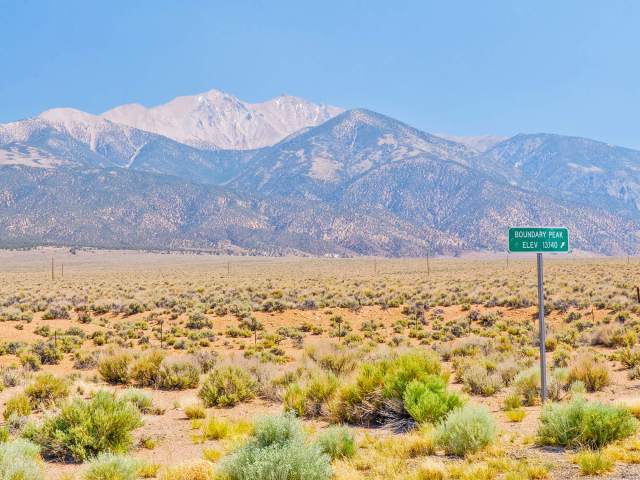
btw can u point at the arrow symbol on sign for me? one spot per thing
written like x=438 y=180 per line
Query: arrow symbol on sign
x=562 y=245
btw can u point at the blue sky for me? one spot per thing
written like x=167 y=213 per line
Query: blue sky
x=472 y=67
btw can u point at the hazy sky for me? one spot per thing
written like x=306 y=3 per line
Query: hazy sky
x=472 y=67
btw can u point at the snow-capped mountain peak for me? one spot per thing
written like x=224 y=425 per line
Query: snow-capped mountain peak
x=80 y=125
x=216 y=119
x=68 y=115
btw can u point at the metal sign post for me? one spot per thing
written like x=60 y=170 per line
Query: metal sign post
x=538 y=240
x=543 y=333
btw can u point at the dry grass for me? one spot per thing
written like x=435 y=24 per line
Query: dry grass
x=302 y=328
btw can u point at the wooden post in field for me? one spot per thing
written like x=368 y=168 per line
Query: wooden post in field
x=228 y=268
x=52 y=271
x=161 y=322
x=62 y=270
x=428 y=266
x=375 y=266
x=638 y=293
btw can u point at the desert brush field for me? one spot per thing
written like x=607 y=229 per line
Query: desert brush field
x=130 y=365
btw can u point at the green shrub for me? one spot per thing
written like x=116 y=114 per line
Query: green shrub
x=10 y=376
x=277 y=450
x=418 y=365
x=583 y=424
x=512 y=402
x=337 y=442
x=278 y=429
x=577 y=388
x=629 y=357
x=588 y=370
x=338 y=362
x=593 y=462
x=18 y=405
x=56 y=312
x=30 y=361
x=178 y=375
x=134 y=308
x=83 y=429
x=318 y=389
x=47 y=352
x=20 y=460
x=205 y=360
x=527 y=386
x=46 y=390
x=308 y=400
x=85 y=360
x=198 y=321
x=108 y=466
x=148 y=470
x=139 y=399
x=347 y=406
x=558 y=384
x=561 y=357
x=429 y=401
x=294 y=400
x=193 y=412
x=145 y=371
x=216 y=429
x=114 y=369
x=516 y=415
x=227 y=386
x=466 y=430
x=365 y=400
x=478 y=381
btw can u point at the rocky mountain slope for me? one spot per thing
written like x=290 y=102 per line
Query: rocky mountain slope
x=479 y=143
x=357 y=183
x=321 y=161
x=68 y=137
x=573 y=168
x=370 y=165
x=119 y=208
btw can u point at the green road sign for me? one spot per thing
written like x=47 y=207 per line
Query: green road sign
x=538 y=239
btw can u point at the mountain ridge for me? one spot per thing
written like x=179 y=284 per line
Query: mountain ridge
x=358 y=183
x=569 y=167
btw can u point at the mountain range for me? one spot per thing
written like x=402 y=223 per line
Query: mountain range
x=288 y=176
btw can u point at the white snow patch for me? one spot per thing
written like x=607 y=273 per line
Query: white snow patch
x=28 y=157
x=585 y=169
